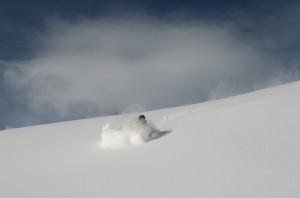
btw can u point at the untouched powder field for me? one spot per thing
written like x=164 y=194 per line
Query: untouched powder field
x=245 y=146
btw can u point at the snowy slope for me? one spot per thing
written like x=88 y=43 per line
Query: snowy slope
x=239 y=147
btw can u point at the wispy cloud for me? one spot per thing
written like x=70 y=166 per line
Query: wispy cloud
x=100 y=67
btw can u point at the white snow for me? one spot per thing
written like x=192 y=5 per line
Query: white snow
x=245 y=146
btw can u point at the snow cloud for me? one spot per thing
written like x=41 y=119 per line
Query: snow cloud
x=103 y=66
x=126 y=134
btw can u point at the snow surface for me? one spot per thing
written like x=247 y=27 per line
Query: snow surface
x=243 y=146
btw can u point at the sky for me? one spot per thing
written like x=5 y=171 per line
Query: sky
x=64 y=60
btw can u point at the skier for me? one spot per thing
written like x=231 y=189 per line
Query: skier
x=153 y=132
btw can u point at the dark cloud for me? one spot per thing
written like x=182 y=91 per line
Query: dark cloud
x=89 y=66
x=100 y=67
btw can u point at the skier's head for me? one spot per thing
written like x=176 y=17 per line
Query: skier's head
x=142 y=118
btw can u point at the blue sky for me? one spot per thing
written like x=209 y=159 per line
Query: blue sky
x=224 y=47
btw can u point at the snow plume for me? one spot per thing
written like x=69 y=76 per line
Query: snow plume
x=130 y=133
x=108 y=66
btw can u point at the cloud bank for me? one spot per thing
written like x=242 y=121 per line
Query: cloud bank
x=101 y=67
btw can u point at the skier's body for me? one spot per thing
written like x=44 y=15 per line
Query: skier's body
x=154 y=133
